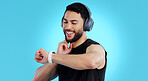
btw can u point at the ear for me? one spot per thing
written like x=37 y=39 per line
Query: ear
x=62 y=21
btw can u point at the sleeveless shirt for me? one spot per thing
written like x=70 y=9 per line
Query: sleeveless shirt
x=68 y=74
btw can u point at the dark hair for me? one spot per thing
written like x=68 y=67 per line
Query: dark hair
x=79 y=8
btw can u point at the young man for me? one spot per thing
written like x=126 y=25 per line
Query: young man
x=83 y=60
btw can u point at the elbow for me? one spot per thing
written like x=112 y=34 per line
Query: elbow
x=92 y=65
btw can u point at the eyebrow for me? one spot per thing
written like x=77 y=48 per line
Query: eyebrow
x=71 y=20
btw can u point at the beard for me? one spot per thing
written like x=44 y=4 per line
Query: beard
x=77 y=36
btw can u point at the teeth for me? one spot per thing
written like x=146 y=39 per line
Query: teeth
x=69 y=32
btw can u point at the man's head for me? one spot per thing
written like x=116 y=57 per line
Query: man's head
x=73 y=21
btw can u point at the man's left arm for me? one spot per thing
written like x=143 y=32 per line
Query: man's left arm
x=93 y=58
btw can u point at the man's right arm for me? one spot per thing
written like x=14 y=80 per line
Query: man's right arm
x=46 y=72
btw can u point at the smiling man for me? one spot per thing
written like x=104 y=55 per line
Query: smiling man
x=83 y=60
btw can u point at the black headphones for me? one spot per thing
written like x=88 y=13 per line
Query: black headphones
x=88 y=24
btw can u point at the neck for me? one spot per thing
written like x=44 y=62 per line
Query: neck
x=82 y=39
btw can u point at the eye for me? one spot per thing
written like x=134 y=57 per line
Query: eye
x=65 y=22
x=74 y=23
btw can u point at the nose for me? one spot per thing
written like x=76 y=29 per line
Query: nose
x=68 y=26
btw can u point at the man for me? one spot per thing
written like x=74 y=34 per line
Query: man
x=83 y=60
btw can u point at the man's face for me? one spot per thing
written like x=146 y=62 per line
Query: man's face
x=72 y=26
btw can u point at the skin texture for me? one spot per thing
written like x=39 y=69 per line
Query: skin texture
x=93 y=58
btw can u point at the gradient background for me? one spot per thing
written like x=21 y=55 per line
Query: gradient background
x=28 y=25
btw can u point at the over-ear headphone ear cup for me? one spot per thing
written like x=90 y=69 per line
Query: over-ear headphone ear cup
x=88 y=24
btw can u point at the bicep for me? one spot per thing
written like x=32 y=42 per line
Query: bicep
x=97 y=53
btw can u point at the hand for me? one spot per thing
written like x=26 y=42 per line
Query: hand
x=41 y=56
x=63 y=48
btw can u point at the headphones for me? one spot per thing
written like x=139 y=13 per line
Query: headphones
x=88 y=23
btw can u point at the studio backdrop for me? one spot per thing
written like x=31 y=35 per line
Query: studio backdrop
x=120 y=26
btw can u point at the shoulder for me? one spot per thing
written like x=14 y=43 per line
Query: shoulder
x=95 y=48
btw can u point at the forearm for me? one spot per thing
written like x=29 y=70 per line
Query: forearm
x=78 y=62
x=44 y=73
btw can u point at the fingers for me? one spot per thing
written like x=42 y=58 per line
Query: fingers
x=41 y=56
x=63 y=44
x=42 y=50
x=70 y=47
x=38 y=55
x=38 y=60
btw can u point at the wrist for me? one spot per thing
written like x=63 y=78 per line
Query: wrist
x=50 y=54
x=53 y=56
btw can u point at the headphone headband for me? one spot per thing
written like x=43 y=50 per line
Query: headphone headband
x=89 y=13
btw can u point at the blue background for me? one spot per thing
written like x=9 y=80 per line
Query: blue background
x=28 y=25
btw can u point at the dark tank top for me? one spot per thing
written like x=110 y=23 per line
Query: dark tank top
x=68 y=74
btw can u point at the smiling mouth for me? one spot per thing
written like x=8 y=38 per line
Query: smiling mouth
x=69 y=33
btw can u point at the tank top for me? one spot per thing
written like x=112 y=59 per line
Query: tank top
x=68 y=74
